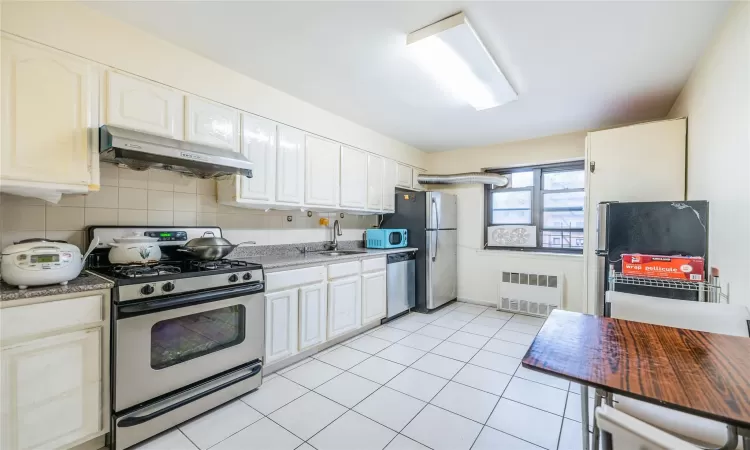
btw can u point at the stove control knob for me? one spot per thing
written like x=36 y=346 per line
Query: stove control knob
x=167 y=287
x=233 y=278
x=147 y=290
x=247 y=276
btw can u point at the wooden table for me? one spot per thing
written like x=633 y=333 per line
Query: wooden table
x=703 y=374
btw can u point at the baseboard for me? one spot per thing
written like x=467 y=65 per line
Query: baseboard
x=478 y=302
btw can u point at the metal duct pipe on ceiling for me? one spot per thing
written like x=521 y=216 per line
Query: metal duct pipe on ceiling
x=465 y=178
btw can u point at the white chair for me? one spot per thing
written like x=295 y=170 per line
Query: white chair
x=708 y=317
x=632 y=434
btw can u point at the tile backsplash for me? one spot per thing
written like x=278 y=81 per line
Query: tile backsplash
x=160 y=198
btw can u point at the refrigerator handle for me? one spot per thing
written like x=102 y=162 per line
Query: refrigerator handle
x=437 y=223
x=602 y=253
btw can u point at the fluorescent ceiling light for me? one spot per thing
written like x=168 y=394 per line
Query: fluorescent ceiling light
x=452 y=53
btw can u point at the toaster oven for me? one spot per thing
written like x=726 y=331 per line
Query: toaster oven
x=386 y=238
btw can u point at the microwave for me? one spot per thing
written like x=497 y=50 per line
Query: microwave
x=386 y=238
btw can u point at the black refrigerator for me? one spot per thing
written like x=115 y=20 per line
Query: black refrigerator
x=649 y=228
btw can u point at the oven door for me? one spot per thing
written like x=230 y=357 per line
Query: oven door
x=162 y=345
x=396 y=239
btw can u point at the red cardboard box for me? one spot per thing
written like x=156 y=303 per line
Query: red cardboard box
x=686 y=268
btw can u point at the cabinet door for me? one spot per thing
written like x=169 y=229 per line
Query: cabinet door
x=414 y=176
x=140 y=105
x=212 y=124
x=290 y=165
x=374 y=182
x=403 y=176
x=321 y=172
x=281 y=325
x=390 y=169
x=48 y=109
x=312 y=315
x=353 y=178
x=373 y=296
x=259 y=146
x=344 y=305
x=52 y=390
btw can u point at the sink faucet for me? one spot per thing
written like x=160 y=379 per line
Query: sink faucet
x=333 y=245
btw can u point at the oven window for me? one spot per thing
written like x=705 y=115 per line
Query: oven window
x=395 y=238
x=183 y=338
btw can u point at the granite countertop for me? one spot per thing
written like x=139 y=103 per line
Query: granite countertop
x=84 y=282
x=278 y=261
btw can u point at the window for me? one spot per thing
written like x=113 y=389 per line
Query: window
x=546 y=201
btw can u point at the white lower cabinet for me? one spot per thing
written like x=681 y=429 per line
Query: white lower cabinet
x=281 y=324
x=344 y=305
x=373 y=297
x=312 y=315
x=54 y=385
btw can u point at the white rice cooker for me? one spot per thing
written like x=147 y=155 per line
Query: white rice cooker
x=36 y=262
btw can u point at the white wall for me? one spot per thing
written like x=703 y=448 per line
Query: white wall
x=87 y=33
x=478 y=269
x=716 y=101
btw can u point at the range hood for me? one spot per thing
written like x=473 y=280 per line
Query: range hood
x=142 y=151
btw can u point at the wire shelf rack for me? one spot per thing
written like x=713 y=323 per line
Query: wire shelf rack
x=707 y=291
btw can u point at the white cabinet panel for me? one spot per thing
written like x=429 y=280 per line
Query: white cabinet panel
x=139 y=105
x=212 y=124
x=50 y=115
x=290 y=165
x=259 y=146
x=373 y=296
x=403 y=176
x=344 y=306
x=414 y=176
x=51 y=390
x=281 y=325
x=353 y=178
x=321 y=172
x=312 y=315
x=390 y=169
x=374 y=182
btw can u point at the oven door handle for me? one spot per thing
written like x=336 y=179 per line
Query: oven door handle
x=137 y=309
x=137 y=420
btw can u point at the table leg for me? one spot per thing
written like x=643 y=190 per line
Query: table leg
x=606 y=437
x=585 y=416
x=597 y=403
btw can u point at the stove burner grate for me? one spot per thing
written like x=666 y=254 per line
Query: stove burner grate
x=139 y=270
x=217 y=265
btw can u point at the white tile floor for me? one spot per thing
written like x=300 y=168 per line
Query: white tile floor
x=450 y=380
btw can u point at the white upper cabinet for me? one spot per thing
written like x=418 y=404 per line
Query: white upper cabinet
x=259 y=146
x=344 y=305
x=403 y=176
x=414 y=176
x=290 y=165
x=353 y=178
x=374 y=183
x=212 y=124
x=312 y=315
x=140 y=105
x=389 y=185
x=281 y=324
x=50 y=115
x=373 y=296
x=321 y=172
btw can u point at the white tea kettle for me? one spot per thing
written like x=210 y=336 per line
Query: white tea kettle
x=36 y=262
x=134 y=249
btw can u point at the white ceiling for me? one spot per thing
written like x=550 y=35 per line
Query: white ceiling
x=575 y=65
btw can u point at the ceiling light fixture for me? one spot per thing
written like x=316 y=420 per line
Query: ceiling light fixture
x=453 y=54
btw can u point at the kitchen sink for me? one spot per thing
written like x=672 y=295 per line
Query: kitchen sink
x=342 y=252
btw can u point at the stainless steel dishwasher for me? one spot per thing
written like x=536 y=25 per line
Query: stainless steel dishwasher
x=401 y=282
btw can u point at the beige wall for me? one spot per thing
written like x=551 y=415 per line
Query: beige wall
x=478 y=269
x=87 y=33
x=716 y=101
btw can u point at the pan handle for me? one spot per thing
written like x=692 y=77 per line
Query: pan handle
x=245 y=243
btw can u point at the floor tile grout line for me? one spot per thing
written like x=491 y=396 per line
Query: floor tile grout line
x=562 y=423
x=187 y=437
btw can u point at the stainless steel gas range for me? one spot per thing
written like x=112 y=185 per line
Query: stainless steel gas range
x=187 y=335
